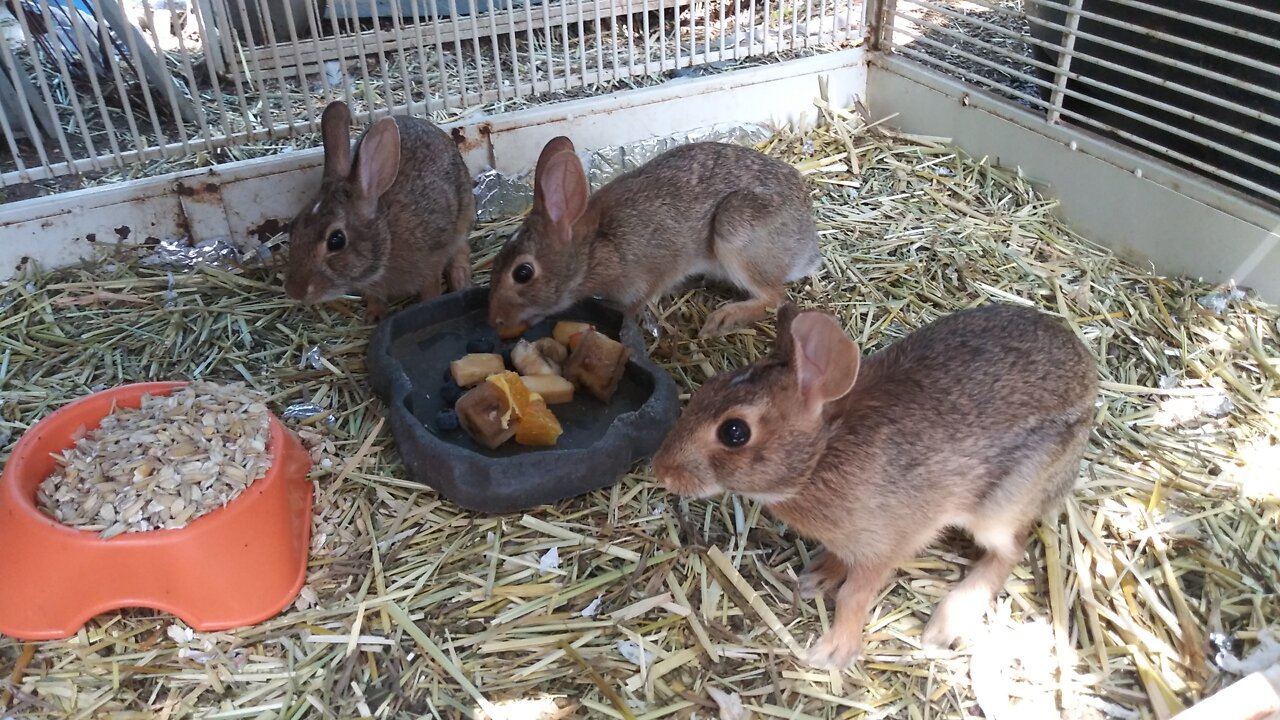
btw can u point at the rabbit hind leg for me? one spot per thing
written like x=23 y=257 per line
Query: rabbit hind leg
x=744 y=242
x=1001 y=529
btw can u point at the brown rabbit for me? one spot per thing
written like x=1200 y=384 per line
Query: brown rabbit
x=710 y=209
x=977 y=421
x=389 y=224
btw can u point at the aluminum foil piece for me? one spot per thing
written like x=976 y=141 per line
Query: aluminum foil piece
x=1265 y=654
x=170 y=295
x=499 y=195
x=1221 y=643
x=1218 y=301
x=312 y=359
x=649 y=322
x=605 y=164
x=182 y=255
x=1183 y=409
x=306 y=411
x=262 y=254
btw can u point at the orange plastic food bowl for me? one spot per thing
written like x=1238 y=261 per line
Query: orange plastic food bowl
x=235 y=566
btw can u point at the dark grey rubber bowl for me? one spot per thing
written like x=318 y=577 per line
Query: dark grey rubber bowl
x=409 y=357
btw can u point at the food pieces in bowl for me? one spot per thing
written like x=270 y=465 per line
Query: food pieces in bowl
x=502 y=408
x=566 y=329
x=538 y=426
x=511 y=332
x=528 y=359
x=596 y=364
x=473 y=368
x=175 y=458
x=515 y=391
x=485 y=414
x=552 y=350
x=554 y=389
x=502 y=405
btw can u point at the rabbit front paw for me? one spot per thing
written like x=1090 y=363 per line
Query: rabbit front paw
x=822 y=577
x=835 y=650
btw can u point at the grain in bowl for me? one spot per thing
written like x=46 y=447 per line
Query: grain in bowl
x=161 y=465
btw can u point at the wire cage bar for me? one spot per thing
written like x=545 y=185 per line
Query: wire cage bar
x=1196 y=83
x=136 y=87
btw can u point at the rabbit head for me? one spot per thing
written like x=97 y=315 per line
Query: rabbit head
x=540 y=269
x=759 y=430
x=340 y=242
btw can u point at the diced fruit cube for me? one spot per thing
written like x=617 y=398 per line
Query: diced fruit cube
x=481 y=412
x=577 y=338
x=566 y=329
x=552 y=350
x=475 y=367
x=529 y=361
x=511 y=332
x=539 y=426
x=447 y=420
x=597 y=364
x=553 y=388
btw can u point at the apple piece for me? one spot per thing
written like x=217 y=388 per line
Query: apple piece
x=552 y=350
x=481 y=411
x=597 y=364
x=475 y=367
x=530 y=361
x=566 y=329
x=553 y=388
x=539 y=426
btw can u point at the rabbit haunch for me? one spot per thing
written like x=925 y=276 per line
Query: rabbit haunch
x=978 y=421
x=391 y=222
x=721 y=211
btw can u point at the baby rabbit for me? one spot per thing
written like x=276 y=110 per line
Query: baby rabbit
x=389 y=224
x=977 y=421
x=718 y=210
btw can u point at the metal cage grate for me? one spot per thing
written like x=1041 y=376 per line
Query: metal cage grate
x=137 y=87
x=1198 y=86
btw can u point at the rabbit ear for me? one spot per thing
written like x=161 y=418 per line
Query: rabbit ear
x=378 y=159
x=825 y=360
x=335 y=127
x=560 y=185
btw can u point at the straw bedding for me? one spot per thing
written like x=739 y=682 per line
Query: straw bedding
x=630 y=603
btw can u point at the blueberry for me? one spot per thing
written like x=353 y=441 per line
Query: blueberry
x=480 y=344
x=450 y=392
x=447 y=420
x=447 y=376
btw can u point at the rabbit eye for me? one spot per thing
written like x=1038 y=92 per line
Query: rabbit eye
x=734 y=432
x=523 y=273
x=337 y=240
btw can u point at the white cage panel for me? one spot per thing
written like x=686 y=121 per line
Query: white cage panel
x=1198 y=85
x=129 y=86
